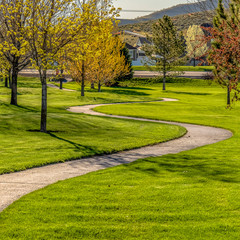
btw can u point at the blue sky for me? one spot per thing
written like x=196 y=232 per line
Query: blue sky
x=144 y=5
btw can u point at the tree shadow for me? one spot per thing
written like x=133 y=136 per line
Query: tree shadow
x=25 y=109
x=134 y=88
x=125 y=92
x=29 y=109
x=77 y=146
x=196 y=168
x=189 y=93
x=111 y=89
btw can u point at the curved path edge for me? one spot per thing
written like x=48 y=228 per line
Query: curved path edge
x=15 y=185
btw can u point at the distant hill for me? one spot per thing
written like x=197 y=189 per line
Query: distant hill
x=126 y=21
x=182 y=22
x=172 y=11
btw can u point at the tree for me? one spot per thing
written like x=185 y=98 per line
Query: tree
x=104 y=60
x=108 y=62
x=225 y=52
x=51 y=25
x=12 y=44
x=79 y=52
x=80 y=67
x=167 y=48
x=99 y=58
x=195 y=48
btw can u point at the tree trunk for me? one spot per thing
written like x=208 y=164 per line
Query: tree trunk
x=44 y=102
x=10 y=82
x=194 y=62
x=9 y=79
x=83 y=79
x=14 y=86
x=6 y=82
x=92 y=85
x=164 y=76
x=228 y=95
x=61 y=79
x=164 y=81
x=99 y=86
x=61 y=83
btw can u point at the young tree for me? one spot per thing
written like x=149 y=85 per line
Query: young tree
x=99 y=58
x=109 y=62
x=225 y=52
x=167 y=48
x=80 y=66
x=79 y=52
x=195 y=48
x=51 y=25
x=12 y=44
x=103 y=61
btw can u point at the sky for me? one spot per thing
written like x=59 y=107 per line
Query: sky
x=153 y=5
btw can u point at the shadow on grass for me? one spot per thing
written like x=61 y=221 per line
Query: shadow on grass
x=187 y=166
x=29 y=109
x=125 y=92
x=78 y=146
x=120 y=88
x=189 y=93
x=19 y=107
x=133 y=88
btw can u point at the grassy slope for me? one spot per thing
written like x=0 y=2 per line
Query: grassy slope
x=191 y=195
x=70 y=136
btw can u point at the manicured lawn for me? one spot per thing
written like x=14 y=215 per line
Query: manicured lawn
x=191 y=195
x=180 y=68
x=71 y=136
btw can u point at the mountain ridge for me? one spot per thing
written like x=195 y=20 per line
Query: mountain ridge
x=173 y=11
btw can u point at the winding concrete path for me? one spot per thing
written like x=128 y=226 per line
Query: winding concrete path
x=15 y=185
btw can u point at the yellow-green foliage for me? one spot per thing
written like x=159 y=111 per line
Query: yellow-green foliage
x=194 y=41
x=96 y=55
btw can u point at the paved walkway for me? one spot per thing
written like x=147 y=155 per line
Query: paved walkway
x=146 y=74
x=15 y=185
x=186 y=74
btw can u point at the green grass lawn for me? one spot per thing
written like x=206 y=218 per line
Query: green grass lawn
x=180 y=68
x=71 y=136
x=191 y=195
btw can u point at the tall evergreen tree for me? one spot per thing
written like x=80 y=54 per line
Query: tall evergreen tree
x=167 y=48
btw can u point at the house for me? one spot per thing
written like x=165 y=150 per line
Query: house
x=138 y=56
x=141 y=41
x=133 y=51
